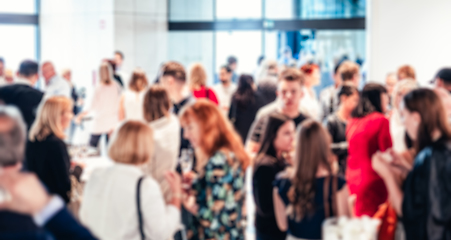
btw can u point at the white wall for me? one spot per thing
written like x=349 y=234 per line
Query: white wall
x=78 y=34
x=415 y=32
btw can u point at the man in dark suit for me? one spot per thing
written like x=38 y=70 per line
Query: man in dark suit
x=22 y=94
x=27 y=211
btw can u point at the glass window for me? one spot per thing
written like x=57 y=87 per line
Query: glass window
x=192 y=10
x=191 y=47
x=238 y=9
x=18 y=42
x=18 y=6
x=246 y=46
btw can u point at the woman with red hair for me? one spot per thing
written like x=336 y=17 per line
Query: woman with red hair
x=217 y=193
x=309 y=103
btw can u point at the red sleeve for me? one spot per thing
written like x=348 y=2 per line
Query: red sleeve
x=384 y=138
x=212 y=96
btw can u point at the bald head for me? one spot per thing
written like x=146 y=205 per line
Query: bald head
x=48 y=71
x=12 y=136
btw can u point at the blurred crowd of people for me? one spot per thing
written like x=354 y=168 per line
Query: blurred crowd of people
x=182 y=150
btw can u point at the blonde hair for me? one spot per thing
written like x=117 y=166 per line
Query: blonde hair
x=132 y=143
x=106 y=73
x=48 y=119
x=197 y=76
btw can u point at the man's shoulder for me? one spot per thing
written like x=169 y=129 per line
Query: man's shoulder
x=266 y=110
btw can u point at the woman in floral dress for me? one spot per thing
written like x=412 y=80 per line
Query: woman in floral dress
x=216 y=198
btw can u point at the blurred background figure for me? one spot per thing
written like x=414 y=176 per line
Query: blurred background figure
x=267 y=80
x=443 y=79
x=46 y=153
x=166 y=135
x=225 y=89
x=118 y=78
x=232 y=63
x=2 y=72
x=22 y=94
x=309 y=101
x=9 y=76
x=104 y=106
x=350 y=72
x=119 y=202
x=131 y=103
x=198 y=83
x=336 y=124
x=246 y=101
x=400 y=139
x=55 y=86
x=390 y=82
x=328 y=97
x=406 y=71
x=272 y=158
x=76 y=99
x=286 y=58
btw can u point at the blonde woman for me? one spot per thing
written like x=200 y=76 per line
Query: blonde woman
x=104 y=106
x=166 y=135
x=198 y=83
x=118 y=198
x=46 y=153
x=131 y=105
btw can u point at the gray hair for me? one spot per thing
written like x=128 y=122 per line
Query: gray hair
x=12 y=140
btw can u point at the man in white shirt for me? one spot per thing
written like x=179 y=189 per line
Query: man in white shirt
x=225 y=89
x=56 y=86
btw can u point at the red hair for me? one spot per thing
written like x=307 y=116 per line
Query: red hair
x=308 y=68
x=217 y=133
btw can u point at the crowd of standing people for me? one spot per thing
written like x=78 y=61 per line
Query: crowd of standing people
x=181 y=152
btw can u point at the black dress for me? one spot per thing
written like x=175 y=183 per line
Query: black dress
x=337 y=130
x=426 y=206
x=265 y=172
x=50 y=160
x=242 y=117
x=309 y=227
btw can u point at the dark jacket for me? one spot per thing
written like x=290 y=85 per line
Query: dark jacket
x=50 y=160
x=426 y=205
x=25 y=98
x=62 y=226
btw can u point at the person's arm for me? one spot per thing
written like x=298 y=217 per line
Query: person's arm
x=395 y=193
x=384 y=139
x=279 y=210
x=264 y=176
x=160 y=220
x=255 y=134
x=343 y=202
x=28 y=196
x=121 y=109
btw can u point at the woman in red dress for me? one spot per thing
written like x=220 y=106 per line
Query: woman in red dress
x=198 y=84
x=367 y=132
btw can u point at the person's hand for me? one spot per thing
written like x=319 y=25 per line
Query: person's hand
x=77 y=119
x=28 y=196
x=403 y=160
x=174 y=181
x=189 y=177
x=190 y=205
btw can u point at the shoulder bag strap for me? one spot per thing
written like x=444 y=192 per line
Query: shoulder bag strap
x=138 y=203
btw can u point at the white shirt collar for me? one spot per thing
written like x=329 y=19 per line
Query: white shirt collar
x=23 y=81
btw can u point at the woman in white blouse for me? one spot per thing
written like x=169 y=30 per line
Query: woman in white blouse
x=131 y=106
x=166 y=129
x=104 y=106
x=309 y=103
x=110 y=209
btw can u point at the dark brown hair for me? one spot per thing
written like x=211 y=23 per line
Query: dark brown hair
x=312 y=151
x=370 y=100
x=156 y=103
x=292 y=75
x=275 y=122
x=347 y=70
x=433 y=116
x=138 y=76
x=175 y=70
